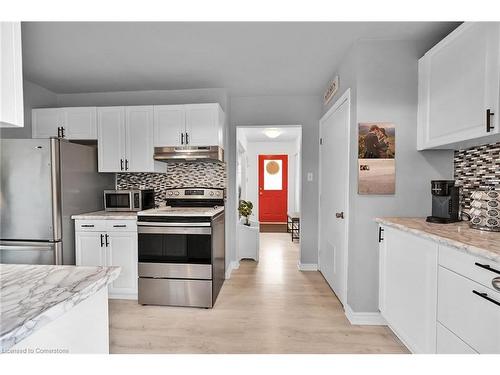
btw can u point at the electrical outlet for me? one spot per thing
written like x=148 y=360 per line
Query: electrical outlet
x=309 y=176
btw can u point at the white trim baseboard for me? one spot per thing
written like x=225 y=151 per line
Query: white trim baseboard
x=364 y=318
x=234 y=265
x=307 y=266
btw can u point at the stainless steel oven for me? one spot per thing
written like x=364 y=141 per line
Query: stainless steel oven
x=181 y=252
x=129 y=200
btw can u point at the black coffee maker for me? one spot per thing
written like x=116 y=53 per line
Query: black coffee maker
x=445 y=202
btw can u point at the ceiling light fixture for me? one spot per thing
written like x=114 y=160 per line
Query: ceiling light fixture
x=272 y=132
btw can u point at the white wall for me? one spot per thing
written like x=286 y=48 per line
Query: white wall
x=382 y=76
x=254 y=149
x=34 y=96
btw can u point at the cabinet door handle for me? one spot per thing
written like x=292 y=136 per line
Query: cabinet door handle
x=487 y=267
x=121 y=164
x=102 y=240
x=489 y=114
x=126 y=164
x=187 y=138
x=380 y=230
x=62 y=131
x=106 y=237
x=182 y=138
x=496 y=283
x=485 y=296
x=58 y=132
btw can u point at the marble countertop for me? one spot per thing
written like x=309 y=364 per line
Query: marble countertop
x=106 y=215
x=458 y=235
x=33 y=295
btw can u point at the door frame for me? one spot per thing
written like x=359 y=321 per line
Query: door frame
x=235 y=182
x=345 y=97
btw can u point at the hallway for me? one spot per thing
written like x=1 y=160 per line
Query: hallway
x=269 y=307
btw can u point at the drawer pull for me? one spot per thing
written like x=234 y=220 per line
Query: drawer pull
x=485 y=296
x=496 y=283
x=87 y=225
x=120 y=226
x=487 y=267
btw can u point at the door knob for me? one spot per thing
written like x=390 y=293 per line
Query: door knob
x=339 y=215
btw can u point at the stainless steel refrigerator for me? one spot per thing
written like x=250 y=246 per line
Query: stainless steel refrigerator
x=43 y=183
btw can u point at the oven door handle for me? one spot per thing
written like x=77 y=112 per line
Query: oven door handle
x=159 y=224
x=173 y=230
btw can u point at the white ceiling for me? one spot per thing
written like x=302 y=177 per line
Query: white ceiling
x=256 y=134
x=246 y=58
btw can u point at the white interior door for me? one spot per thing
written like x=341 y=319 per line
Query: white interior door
x=333 y=179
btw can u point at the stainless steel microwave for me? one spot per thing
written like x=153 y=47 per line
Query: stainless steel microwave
x=129 y=200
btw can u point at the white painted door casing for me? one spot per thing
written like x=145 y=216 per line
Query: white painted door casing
x=459 y=79
x=111 y=139
x=408 y=299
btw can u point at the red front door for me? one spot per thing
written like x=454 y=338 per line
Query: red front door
x=273 y=188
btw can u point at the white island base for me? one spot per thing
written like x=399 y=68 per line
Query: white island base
x=81 y=330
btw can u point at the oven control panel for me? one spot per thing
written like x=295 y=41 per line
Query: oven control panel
x=195 y=193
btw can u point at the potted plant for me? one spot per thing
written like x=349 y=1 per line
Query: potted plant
x=245 y=210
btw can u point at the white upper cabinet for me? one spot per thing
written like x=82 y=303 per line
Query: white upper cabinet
x=139 y=138
x=111 y=139
x=169 y=125
x=11 y=75
x=189 y=125
x=203 y=124
x=459 y=82
x=125 y=139
x=70 y=123
x=80 y=123
x=46 y=122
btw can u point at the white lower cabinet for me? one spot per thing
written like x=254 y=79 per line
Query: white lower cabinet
x=438 y=299
x=408 y=285
x=110 y=243
x=449 y=343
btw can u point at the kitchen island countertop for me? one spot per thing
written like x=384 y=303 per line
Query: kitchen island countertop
x=458 y=235
x=31 y=296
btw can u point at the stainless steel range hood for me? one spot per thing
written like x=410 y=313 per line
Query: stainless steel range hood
x=189 y=153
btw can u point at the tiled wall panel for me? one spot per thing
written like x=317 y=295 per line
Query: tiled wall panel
x=477 y=168
x=179 y=175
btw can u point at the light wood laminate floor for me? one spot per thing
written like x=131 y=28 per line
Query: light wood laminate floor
x=266 y=307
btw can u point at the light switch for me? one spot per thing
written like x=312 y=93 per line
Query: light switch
x=309 y=176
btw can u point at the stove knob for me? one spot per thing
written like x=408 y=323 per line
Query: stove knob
x=169 y=193
x=211 y=193
x=176 y=193
x=218 y=193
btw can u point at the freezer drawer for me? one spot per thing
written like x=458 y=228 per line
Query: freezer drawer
x=175 y=292
x=28 y=252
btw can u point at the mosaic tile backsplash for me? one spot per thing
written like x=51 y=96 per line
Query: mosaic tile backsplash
x=477 y=168
x=202 y=174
